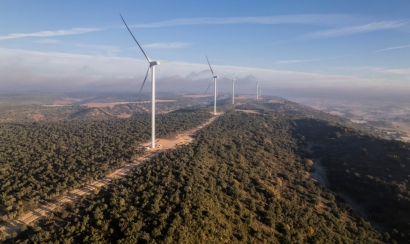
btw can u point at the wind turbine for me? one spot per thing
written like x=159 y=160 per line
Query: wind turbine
x=257 y=91
x=233 y=87
x=214 y=77
x=151 y=67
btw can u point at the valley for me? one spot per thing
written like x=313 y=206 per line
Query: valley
x=242 y=176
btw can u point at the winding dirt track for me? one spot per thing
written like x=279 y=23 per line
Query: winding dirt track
x=29 y=217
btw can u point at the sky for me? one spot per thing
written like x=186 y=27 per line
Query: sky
x=294 y=48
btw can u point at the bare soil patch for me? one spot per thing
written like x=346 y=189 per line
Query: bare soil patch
x=358 y=121
x=198 y=95
x=37 y=117
x=124 y=116
x=180 y=139
x=275 y=101
x=248 y=111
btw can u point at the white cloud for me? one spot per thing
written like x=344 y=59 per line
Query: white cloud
x=375 y=26
x=167 y=45
x=22 y=69
x=48 y=41
x=317 y=19
x=100 y=50
x=392 y=48
x=73 y=31
x=395 y=71
x=294 y=61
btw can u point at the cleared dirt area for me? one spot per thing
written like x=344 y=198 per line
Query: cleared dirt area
x=275 y=101
x=198 y=95
x=29 y=217
x=124 y=116
x=37 y=117
x=358 y=121
x=248 y=111
x=178 y=140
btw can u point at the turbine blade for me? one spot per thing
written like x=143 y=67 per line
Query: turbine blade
x=209 y=86
x=209 y=65
x=237 y=76
x=135 y=39
x=143 y=83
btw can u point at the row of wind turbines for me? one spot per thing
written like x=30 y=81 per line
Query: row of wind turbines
x=214 y=77
x=151 y=67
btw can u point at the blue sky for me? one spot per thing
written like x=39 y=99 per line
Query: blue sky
x=287 y=45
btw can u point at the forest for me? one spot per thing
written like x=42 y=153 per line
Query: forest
x=241 y=181
x=41 y=160
x=244 y=179
x=373 y=171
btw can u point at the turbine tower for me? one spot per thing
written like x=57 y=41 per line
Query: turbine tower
x=257 y=91
x=151 y=67
x=233 y=87
x=214 y=77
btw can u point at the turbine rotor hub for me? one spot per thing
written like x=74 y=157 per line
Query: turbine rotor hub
x=153 y=63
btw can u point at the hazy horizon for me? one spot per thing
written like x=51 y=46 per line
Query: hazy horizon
x=347 y=50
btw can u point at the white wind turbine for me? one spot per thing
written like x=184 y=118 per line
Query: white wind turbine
x=257 y=91
x=214 y=77
x=151 y=66
x=233 y=87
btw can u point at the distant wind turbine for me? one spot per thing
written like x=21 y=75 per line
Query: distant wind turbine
x=214 y=77
x=257 y=91
x=151 y=67
x=233 y=87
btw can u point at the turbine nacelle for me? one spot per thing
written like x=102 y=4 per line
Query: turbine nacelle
x=153 y=63
x=215 y=76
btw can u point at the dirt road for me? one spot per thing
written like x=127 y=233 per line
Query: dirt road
x=15 y=225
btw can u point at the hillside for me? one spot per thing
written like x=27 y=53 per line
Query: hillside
x=240 y=181
x=246 y=179
x=41 y=160
x=87 y=106
x=375 y=172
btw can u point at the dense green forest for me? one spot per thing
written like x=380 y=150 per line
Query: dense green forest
x=240 y=181
x=373 y=171
x=244 y=179
x=41 y=160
